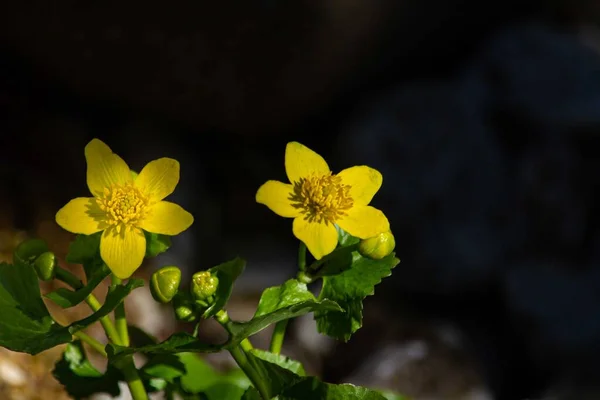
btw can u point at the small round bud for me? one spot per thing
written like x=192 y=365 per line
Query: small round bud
x=378 y=246
x=45 y=266
x=184 y=307
x=164 y=284
x=204 y=285
x=29 y=250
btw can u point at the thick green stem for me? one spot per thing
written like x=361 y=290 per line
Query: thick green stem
x=239 y=355
x=120 y=318
x=302 y=256
x=241 y=359
x=93 y=343
x=136 y=387
x=278 y=336
x=71 y=280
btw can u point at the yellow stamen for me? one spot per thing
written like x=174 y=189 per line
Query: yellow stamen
x=322 y=199
x=123 y=205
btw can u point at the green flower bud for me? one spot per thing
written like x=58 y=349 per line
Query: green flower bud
x=164 y=284
x=204 y=285
x=45 y=266
x=183 y=304
x=378 y=246
x=29 y=250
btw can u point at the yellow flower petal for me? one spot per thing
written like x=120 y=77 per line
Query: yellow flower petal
x=166 y=218
x=276 y=195
x=81 y=215
x=364 y=222
x=320 y=239
x=104 y=167
x=123 y=249
x=158 y=178
x=302 y=162
x=364 y=182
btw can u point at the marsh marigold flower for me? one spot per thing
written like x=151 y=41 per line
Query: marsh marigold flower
x=319 y=200
x=123 y=206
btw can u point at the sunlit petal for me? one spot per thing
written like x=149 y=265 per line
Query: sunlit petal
x=364 y=222
x=364 y=182
x=81 y=215
x=302 y=162
x=320 y=239
x=158 y=178
x=104 y=168
x=276 y=195
x=123 y=249
x=166 y=218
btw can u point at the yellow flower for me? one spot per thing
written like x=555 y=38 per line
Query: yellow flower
x=123 y=206
x=319 y=200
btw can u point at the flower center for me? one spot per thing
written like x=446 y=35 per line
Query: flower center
x=123 y=204
x=322 y=199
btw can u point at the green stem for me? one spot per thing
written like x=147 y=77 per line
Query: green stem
x=278 y=336
x=280 y=327
x=242 y=361
x=246 y=345
x=130 y=372
x=314 y=267
x=93 y=343
x=136 y=387
x=120 y=318
x=302 y=256
x=239 y=355
x=71 y=280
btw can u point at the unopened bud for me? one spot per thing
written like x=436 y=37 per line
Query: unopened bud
x=29 y=250
x=164 y=284
x=378 y=246
x=45 y=266
x=183 y=304
x=204 y=285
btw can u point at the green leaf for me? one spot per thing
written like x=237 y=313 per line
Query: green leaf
x=176 y=343
x=275 y=377
x=251 y=394
x=349 y=289
x=224 y=391
x=84 y=248
x=278 y=297
x=164 y=366
x=392 y=396
x=80 y=378
x=114 y=297
x=68 y=298
x=346 y=239
x=312 y=388
x=156 y=244
x=332 y=264
x=227 y=273
x=200 y=376
x=242 y=330
x=26 y=325
x=139 y=337
x=284 y=362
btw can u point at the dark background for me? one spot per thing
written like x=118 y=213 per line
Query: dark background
x=482 y=116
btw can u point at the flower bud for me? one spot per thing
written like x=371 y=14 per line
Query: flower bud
x=183 y=304
x=204 y=285
x=164 y=284
x=29 y=250
x=378 y=246
x=45 y=266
